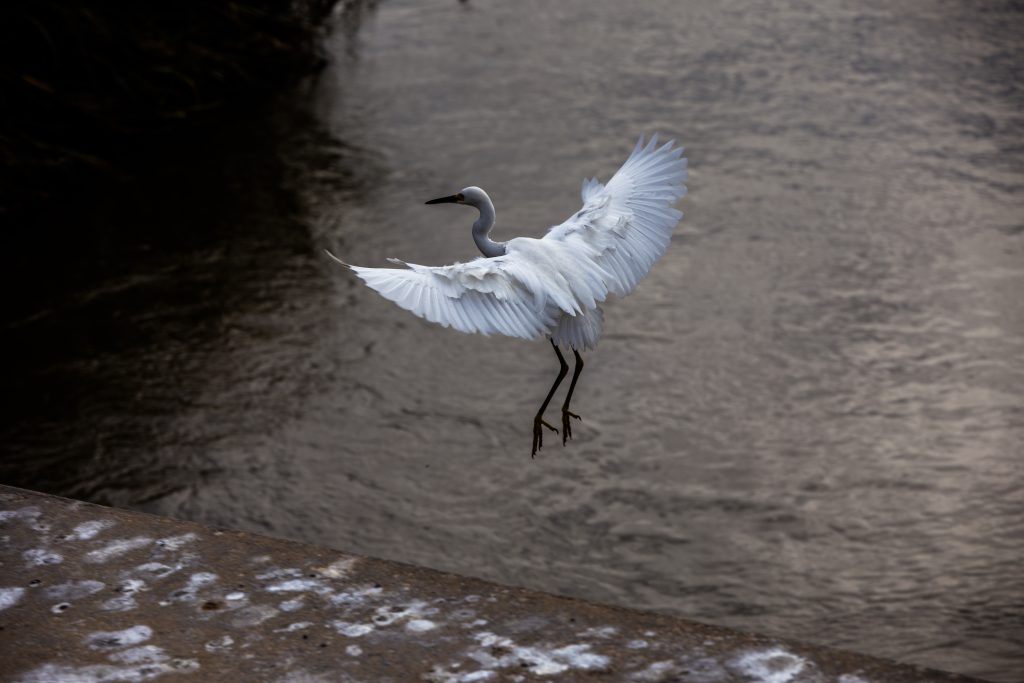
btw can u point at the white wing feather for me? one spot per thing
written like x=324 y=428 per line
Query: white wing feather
x=521 y=294
x=608 y=246
x=479 y=296
x=629 y=222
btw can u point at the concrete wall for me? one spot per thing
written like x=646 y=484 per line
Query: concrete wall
x=89 y=593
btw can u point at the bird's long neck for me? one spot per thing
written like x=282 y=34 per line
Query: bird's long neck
x=481 y=229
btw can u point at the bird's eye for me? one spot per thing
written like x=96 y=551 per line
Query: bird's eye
x=460 y=197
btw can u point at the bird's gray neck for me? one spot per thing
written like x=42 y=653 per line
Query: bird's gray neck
x=481 y=229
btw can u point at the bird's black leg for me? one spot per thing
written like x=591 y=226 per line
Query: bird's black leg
x=566 y=428
x=538 y=421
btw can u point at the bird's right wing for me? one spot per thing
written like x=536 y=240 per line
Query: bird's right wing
x=486 y=295
x=627 y=224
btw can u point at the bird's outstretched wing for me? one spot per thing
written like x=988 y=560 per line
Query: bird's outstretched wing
x=608 y=246
x=627 y=224
x=486 y=295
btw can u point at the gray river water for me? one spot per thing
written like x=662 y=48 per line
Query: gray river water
x=807 y=421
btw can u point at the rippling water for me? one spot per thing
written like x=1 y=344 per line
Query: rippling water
x=807 y=421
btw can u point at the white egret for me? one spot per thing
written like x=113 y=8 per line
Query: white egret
x=551 y=286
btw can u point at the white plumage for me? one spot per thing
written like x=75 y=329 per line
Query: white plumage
x=551 y=286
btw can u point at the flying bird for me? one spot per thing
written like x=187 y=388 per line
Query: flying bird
x=553 y=286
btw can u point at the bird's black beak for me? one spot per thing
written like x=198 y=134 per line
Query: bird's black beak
x=454 y=199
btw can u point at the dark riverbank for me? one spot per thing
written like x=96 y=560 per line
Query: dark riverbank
x=136 y=213
x=99 y=91
x=137 y=140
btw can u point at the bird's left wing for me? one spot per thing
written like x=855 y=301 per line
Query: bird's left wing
x=484 y=295
x=626 y=225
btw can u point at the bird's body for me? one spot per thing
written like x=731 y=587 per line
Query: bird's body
x=551 y=286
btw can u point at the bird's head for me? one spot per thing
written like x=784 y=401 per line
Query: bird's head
x=473 y=196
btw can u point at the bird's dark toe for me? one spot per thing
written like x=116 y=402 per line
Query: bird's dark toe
x=538 y=434
x=567 y=425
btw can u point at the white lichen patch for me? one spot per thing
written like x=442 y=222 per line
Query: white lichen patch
x=105 y=673
x=101 y=640
x=144 y=654
x=420 y=625
x=439 y=675
x=39 y=557
x=89 y=530
x=280 y=573
x=293 y=604
x=774 y=665
x=235 y=596
x=253 y=615
x=122 y=603
x=356 y=596
x=498 y=652
x=196 y=582
x=297 y=626
x=174 y=543
x=199 y=579
x=126 y=600
x=299 y=586
x=223 y=643
x=74 y=590
x=658 y=671
x=29 y=514
x=351 y=630
x=599 y=632
x=851 y=678
x=9 y=597
x=116 y=549
x=157 y=569
x=415 y=610
x=636 y=644
x=184 y=666
x=130 y=586
x=353 y=650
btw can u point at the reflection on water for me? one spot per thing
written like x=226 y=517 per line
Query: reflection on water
x=807 y=421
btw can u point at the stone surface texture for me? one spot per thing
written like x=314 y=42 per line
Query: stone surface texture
x=89 y=593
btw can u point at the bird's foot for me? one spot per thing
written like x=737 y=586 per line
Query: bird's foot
x=538 y=434
x=566 y=425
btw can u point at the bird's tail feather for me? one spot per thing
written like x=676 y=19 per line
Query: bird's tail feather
x=347 y=265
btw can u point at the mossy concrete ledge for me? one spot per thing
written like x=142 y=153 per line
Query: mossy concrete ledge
x=89 y=593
